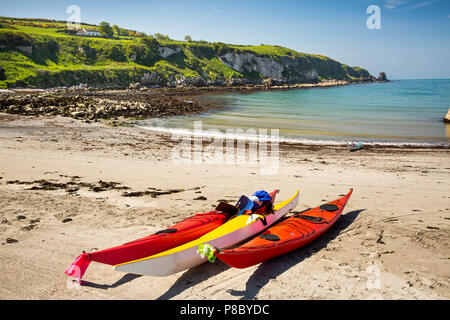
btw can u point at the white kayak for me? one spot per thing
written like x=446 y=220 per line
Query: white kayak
x=183 y=257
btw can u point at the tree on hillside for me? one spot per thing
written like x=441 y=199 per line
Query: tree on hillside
x=116 y=53
x=161 y=36
x=187 y=38
x=149 y=42
x=116 y=29
x=141 y=34
x=105 y=29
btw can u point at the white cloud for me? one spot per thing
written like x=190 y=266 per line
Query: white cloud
x=392 y=4
x=214 y=8
x=420 y=5
x=404 y=5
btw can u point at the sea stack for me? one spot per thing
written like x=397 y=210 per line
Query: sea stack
x=382 y=77
x=447 y=116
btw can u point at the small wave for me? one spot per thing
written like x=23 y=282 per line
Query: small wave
x=210 y=133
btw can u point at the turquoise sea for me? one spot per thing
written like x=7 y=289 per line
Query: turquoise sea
x=398 y=112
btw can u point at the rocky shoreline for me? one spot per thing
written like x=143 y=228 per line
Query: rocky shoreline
x=135 y=102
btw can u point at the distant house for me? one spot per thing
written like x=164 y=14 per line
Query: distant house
x=89 y=32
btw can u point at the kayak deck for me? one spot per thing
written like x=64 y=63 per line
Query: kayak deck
x=185 y=256
x=290 y=234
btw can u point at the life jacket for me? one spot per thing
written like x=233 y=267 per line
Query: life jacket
x=262 y=202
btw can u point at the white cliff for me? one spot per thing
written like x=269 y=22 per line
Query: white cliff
x=267 y=66
x=167 y=51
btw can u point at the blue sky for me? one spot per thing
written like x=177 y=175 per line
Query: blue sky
x=413 y=42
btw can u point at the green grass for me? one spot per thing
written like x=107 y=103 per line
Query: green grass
x=33 y=31
x=16 y=66
x=62 y=59
x=39 y=31
x=217 y=70
x=271 y=51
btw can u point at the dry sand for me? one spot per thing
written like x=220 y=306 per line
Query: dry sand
x=392 y=241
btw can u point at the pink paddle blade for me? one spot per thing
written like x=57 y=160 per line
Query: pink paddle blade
x=78 y=267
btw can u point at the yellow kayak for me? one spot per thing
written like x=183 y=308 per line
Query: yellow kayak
x=235 y=230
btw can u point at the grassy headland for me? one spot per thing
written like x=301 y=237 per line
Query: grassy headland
x=42 y=53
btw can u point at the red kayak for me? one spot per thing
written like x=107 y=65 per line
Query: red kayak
x=288 y=235
x=176 y=235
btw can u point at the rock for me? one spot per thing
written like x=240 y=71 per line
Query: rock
x=72 y=190
x=382 y=77
x=201 y=198
x=150 y=78
x=26 y=50
x=67 y=220
x=97 y=189
x=133 y=194
x=288 y=69
x=21 y=217
x=235 y=82
x=380 y=238
x=249 y=62
x=2 y=74
x=77 y=114
x=11 y=240
x=134 y=86
x=28 y=228
x=268 y=82
x=447 y=116
x=167 y=51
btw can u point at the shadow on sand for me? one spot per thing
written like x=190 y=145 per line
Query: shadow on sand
x=194 y=276
x=126 y=278
x=273 y=268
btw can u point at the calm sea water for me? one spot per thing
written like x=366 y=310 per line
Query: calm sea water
x=406 y=111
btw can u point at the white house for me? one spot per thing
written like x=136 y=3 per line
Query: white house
x=88 y=32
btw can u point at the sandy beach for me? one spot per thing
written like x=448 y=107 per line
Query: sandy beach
x=65 y=187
